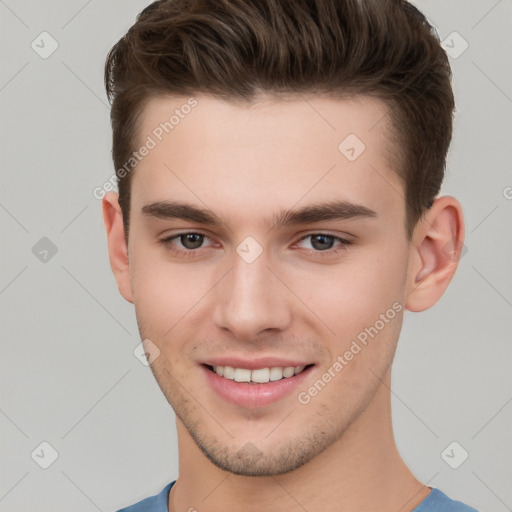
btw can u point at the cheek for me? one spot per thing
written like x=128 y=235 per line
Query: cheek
x=347 y=297
x=161 y=291
x=170 y=298
x=352 y=297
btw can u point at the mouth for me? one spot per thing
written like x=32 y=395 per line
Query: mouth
x=255 y=387
x=257 y=375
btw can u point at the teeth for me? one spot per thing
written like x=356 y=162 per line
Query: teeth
x=229 y=372
x=261 y=375
x=276 y=373
x=242 y=375
x=288 y=371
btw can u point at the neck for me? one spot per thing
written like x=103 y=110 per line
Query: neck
x=361 y=471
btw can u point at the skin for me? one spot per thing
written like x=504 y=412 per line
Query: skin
x=246 y=164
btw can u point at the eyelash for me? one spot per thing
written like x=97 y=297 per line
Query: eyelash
x=190 y=253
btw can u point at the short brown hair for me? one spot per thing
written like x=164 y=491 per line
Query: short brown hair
x=239 y=49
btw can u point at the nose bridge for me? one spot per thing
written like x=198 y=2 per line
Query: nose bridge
x=251 y=299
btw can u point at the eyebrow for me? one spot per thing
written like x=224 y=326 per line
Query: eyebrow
x=333 y=210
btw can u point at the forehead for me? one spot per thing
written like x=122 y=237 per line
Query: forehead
x=276 y=151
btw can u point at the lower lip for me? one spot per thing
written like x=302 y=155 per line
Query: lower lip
x=252 y=395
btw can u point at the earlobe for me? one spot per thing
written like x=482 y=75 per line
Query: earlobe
x=435 y=253
x=117 y=248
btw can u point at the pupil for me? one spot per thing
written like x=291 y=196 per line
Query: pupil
x=192 y=240
x=326 y=242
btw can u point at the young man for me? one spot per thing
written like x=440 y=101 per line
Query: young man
x=278 y=167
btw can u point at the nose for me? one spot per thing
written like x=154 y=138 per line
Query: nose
x=251 y=300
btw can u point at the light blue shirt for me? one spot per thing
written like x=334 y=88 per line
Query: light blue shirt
x=436 y=501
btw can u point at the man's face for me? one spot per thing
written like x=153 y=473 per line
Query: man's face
x=259 y=289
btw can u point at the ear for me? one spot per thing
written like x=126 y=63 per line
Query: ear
x=435 y=252
x=117 y=248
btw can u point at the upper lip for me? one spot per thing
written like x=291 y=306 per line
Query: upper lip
x=255 y=363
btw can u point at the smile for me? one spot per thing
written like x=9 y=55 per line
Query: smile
x=255 y=387
x=258 y=375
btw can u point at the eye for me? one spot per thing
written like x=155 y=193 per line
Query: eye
x=317 y=244
x=185 y=243
x=191 y=240
x=324 y=243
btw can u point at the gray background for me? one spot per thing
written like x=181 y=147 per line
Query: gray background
x=68 y=373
